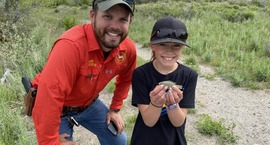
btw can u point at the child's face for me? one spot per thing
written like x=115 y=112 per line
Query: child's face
x=167 y=54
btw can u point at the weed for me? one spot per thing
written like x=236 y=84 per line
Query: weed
x=207 y=57
x=192 y=111
x=110 y=86
x=191 y=60
x=237 y=80
x=141 y=61
x=207 y=126
x=262 y=72
x=69 y=22
x=14 y=130
x=129 y=124
x=267 y=48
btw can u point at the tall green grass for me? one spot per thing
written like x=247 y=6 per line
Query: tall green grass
x=14 y=128
x=232 y=37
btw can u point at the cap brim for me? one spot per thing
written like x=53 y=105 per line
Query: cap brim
x=171 y=40
x=105 y=5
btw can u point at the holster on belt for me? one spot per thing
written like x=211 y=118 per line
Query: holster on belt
x=29 y=101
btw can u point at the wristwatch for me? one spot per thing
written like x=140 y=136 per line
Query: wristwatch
x=172 y=106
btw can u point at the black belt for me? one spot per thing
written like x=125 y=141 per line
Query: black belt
x=74 y=108
x=77 y=109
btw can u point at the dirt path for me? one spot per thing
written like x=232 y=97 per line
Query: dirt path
x=249 y=110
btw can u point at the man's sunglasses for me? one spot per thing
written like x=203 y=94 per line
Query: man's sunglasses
x=170 y=33
x=131 y=3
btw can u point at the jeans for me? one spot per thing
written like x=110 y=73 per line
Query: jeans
x=93 y=119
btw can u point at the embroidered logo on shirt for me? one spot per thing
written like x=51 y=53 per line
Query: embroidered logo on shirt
x=121 y=57
x=91 y=63
x=108 y=71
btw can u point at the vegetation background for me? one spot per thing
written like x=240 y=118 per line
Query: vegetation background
x=232 y=36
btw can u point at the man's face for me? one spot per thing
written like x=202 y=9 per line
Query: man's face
x=111 y=27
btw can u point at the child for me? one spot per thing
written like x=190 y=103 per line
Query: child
x=163 y=89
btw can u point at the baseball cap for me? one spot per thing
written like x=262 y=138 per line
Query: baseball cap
x=106 y=4
x=169 y=29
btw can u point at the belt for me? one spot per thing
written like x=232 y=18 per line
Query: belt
x=77 y=109
x=74 y=108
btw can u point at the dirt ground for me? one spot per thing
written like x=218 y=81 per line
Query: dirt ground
x=249 y=110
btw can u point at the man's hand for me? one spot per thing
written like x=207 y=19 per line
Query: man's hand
x=64 y=141
x=117 y=119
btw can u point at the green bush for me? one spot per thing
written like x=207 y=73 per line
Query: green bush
x=69 y=22
x=210 y=127
x=55 y=3
x=262 y=72
x=267 y=49
x=162 y=9
x=238 y=16
x=16 y=49
x=14 y=129
x=191 y=60
x=207 y=57
x=237 y=80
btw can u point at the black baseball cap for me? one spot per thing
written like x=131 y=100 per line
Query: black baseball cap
x=104 y=5
x=169 y=29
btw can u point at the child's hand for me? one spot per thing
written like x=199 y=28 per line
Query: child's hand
x=173 y=95
x=157 y=96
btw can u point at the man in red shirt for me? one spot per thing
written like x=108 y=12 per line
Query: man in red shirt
x=82 y=62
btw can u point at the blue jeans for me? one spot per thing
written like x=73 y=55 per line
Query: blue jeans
x=93 y=119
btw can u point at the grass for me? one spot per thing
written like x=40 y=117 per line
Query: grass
x=232 y=37
x=207 y=126
x=233 y=48
x=129 y=124
x=14 y=128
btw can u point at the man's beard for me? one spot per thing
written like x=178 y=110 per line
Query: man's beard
x=111 y=44
x=106 y=43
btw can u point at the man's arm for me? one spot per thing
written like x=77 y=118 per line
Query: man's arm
x=54 y=84
x=123 y=80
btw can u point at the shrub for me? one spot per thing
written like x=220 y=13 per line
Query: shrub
x=69 y=22
x=237 y=80
x=262 y=72
x=110 y=86
x=191 y=60
x=14 y=129
x=207 y=126
x=207 y=57
x=267 y=49
x=192 y=111
x=238 y=16
x=16 y=48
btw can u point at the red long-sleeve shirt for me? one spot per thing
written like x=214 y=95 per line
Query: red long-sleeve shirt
x=74 y=75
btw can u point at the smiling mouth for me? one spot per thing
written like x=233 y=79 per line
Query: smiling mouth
x=113 y=34
x=168 y=58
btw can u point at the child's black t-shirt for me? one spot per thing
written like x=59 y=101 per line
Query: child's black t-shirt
x=145 y=78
